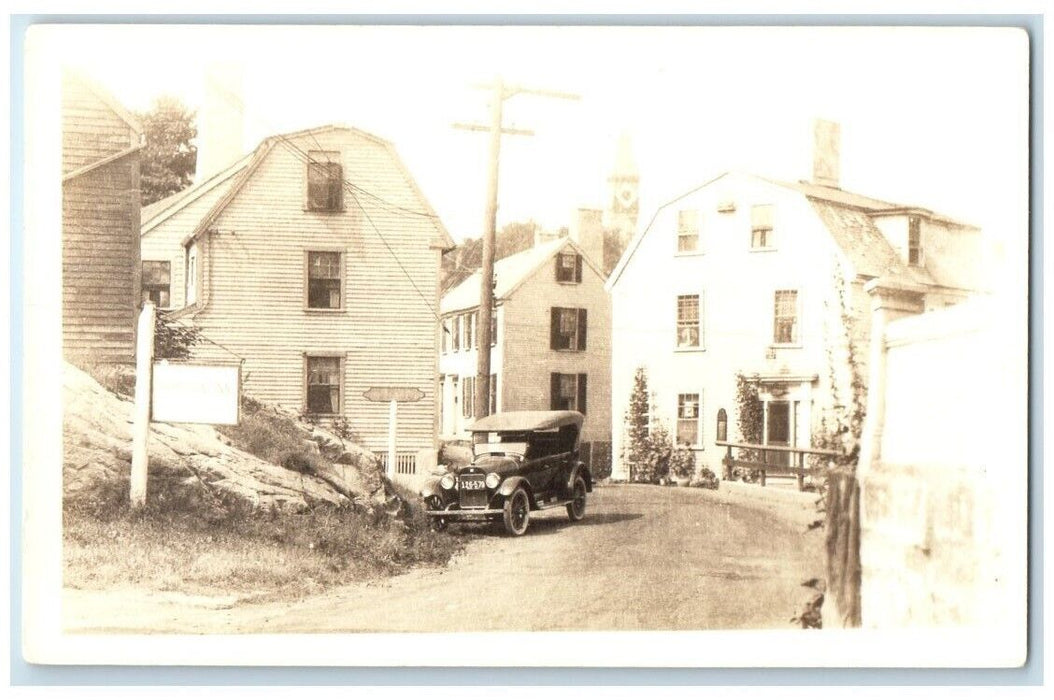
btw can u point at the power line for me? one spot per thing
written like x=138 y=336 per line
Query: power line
x=353 y=190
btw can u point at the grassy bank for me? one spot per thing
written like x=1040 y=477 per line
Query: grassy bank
x=183 y=542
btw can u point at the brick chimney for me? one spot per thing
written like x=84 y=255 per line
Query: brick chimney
x=221 y=122
x=825 y=156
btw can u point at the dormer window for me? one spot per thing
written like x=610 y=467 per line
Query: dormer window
x=569 y=268
x=761 y=227
x=914 y=240
x=325 y=181
x=688 y=231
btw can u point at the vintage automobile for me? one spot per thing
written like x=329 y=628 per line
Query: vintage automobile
x=523 y=461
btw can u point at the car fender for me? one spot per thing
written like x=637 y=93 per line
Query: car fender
x=511 y=484
x=583 y=470
x=431 y=488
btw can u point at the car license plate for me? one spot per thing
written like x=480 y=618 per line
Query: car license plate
x=472 y=484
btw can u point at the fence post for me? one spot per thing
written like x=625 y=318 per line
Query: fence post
x=801 y=472
x=144 y=370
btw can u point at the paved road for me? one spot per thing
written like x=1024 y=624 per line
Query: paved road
x=645 y=558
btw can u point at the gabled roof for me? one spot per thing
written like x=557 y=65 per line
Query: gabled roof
x=234 y=178
x=510 y=273
x=109 y=100
x=157 y=212
x=848 y=217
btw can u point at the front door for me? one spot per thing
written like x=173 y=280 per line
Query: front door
x=779 y=431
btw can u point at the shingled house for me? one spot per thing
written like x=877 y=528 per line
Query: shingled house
x=100 y=225
x=756 y=278
x=551 y=335
x=314 y=262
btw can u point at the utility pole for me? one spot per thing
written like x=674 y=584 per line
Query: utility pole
x=499 y=93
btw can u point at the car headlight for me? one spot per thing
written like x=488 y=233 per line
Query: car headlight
x=492 y=480
x=447 y=482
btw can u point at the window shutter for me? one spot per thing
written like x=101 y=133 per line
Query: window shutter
x=554 y=391
x=581 y=329
x=556 y=267
x=578 y=268
x=582 y=394
x=554 y=326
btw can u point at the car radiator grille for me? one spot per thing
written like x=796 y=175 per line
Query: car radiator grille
x=473 y=498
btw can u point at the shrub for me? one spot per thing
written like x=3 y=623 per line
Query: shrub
x=682 y=462
x=173 y=340
x=706 y=479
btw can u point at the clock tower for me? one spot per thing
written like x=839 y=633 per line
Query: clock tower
x=622 y=209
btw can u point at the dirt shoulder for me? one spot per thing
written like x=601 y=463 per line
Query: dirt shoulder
x=645 y=558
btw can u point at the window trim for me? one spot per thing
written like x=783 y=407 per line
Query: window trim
x=579 y=342
x=143 y=285
x=698 y=250
x=339 y=160
x=700 y=322
x=797 y=342
x=576 y=270
x=341 y=388
x=343 y=280
x=699 y=442
x=581 y=399
x=770 y=244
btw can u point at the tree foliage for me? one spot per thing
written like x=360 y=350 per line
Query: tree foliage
x=168 y=158
x=173 y=340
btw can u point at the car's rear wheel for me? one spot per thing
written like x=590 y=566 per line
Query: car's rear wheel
x=517 y=513
x=576 y=509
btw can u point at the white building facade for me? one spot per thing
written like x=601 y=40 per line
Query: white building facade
x=751 y=277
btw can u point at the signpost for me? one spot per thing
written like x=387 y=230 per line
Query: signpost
x=174 y=394
x=196 y=394
x=393 y=395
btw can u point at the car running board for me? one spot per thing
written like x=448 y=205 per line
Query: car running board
x=554 y=504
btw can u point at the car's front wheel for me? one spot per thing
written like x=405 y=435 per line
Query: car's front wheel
x=517 y=513
x=576 y=509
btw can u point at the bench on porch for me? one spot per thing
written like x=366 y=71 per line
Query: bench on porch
x=771 y=456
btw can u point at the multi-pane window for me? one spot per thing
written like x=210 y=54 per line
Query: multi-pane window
x=468 y=397
x=689 y=328
x=323 y=385
x=157 y=278
x=688 y=231
x=688 y=419
x=455 y=333
x=567 y=329
x=761 y=226
x=493 y=393
x=325 y=181
x=567 y=392
x=324 y=280
x=569 y=267
x=493 y=327
x=785 y=324
x=914 y=240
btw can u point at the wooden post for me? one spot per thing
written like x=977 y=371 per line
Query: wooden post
x=393 y=414
x=144 y=369
x=801 y=471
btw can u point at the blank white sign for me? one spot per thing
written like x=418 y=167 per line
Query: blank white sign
x=195 y=394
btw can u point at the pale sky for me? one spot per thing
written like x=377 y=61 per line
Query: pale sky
x=931 y=117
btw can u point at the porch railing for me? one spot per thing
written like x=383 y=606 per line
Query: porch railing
x=766 y=467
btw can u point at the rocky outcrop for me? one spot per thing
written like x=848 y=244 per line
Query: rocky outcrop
x=97 y=440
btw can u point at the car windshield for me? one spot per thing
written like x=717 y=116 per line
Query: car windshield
x=499 y=443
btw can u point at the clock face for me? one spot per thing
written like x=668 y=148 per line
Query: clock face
x=626 y=196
